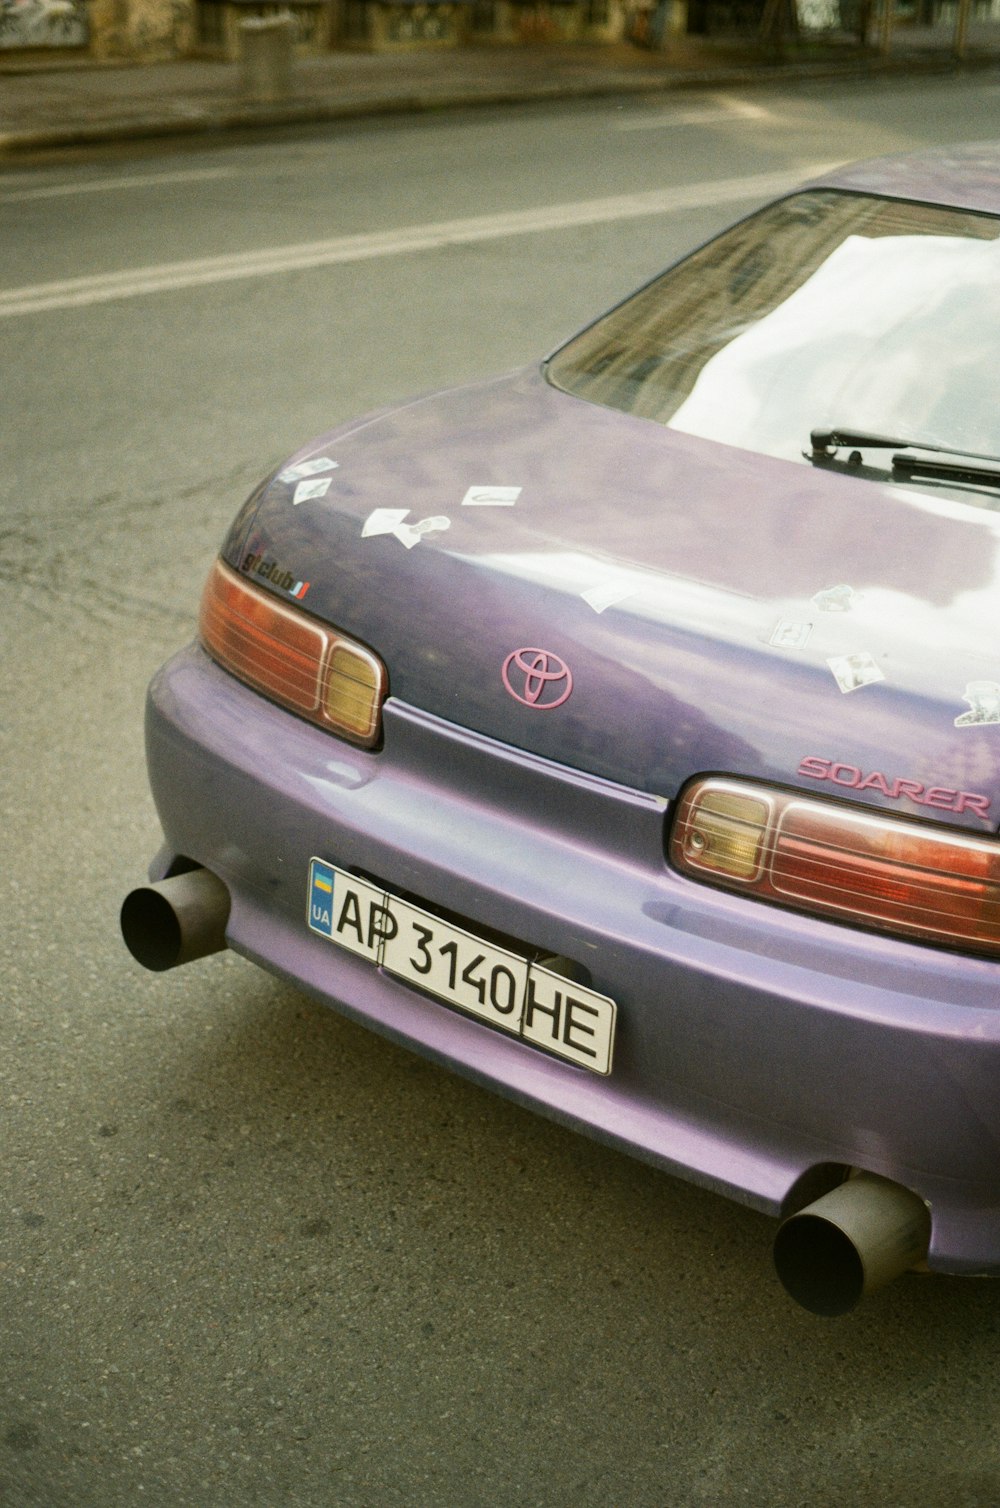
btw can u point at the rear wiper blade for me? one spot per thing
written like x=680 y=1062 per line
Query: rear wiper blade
x=823 y=441
x=913 y=468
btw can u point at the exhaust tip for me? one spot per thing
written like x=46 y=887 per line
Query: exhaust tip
x=850 y=1243
x=151 y=929
x=818 y=1266
x=176 y=920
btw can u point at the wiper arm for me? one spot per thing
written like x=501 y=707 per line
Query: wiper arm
x=824 y=441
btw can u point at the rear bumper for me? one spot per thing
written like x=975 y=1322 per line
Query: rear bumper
x=753 y=1046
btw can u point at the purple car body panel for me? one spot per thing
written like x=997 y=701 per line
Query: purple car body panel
x=756 y=1047
x=679 y=677
x=964 y=176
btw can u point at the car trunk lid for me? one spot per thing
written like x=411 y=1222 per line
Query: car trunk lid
x=646 y=605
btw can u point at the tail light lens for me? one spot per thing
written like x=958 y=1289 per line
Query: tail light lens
x=298 y=662
x=857 y=867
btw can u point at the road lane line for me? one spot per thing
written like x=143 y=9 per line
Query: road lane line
x=660 y=120
x=726 y=110
x=75 y=293
x=107 y=185
x=746 y=109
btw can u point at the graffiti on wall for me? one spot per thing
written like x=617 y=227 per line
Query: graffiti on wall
x=43 y=23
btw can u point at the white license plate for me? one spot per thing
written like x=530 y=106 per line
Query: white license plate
x=499 y=987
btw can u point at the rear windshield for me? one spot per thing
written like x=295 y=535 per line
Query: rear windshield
x=825 y=310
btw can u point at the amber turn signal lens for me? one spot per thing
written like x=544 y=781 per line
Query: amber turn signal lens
x=726 y=833
x=298 y=662
x=860 y=867
x=354 y=683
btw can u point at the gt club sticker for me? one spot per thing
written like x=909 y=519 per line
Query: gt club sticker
x=479 y=978
x=270 y=570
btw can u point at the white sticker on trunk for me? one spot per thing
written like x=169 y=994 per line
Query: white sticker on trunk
x=411 y=534
x=606 y=594
x=851 y=672
x=836 y=599
x=491 y=497
x=983 y=698
x=306 y=490
x=307 y=468
x=390 y=521
x=787 y=634
x=383 y=521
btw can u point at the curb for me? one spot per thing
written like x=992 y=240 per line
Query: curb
x=251 y=116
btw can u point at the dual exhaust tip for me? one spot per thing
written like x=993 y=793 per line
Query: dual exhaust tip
x=850 y=1243
x=177 y=920
x=828 y=1256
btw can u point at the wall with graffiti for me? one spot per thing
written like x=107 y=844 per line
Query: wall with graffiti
x=43 y=23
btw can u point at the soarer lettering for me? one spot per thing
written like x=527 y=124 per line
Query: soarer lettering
x=943 y=797
x=845 y=774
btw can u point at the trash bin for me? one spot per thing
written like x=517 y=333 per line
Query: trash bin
x=266 y=57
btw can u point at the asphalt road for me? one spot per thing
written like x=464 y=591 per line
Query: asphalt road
x=249 y=1253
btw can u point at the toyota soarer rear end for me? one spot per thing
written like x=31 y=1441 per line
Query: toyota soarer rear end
x=625 y=734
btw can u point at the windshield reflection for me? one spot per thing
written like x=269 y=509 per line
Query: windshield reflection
x=827 y=309
x=895 y=335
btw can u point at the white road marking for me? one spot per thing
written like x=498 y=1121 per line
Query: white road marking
x=100 y=288
x=106 y=185
x=726 y=110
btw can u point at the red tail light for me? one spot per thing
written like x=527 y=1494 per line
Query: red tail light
x=313 y=670
x=862 y=868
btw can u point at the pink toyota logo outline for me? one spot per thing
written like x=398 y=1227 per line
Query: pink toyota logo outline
x=540 y=668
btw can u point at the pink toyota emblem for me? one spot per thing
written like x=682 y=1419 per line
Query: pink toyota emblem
x=545 y=681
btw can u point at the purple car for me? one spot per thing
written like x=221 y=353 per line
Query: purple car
x=624 y=733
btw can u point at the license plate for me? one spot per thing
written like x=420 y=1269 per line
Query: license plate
x=524 y=999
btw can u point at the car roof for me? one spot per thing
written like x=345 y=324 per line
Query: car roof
x=966 y=176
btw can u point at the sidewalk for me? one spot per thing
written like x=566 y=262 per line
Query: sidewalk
x=62 y=104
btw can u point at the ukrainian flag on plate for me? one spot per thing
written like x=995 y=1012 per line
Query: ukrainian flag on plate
x=321 y=897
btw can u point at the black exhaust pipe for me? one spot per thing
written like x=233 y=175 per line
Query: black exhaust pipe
x=176 y=920
x=854 y=1240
